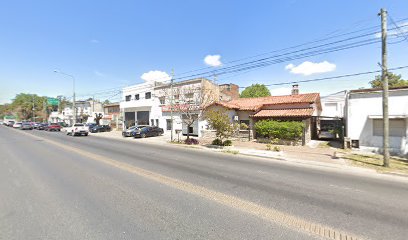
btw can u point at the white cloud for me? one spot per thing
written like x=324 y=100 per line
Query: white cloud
x=401 y=30
x=95 y=41
x=155 y=76
x=280 y=91
x=309 y=68
x=99 y=74
x=213 y=60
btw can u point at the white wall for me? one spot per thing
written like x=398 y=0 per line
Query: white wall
x=333 y=105
x=360 y=126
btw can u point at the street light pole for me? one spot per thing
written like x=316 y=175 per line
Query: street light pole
x=73 y=95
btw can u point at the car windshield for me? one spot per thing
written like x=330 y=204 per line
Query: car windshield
x=78 y=125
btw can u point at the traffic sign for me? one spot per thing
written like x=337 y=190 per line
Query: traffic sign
x=53 y=101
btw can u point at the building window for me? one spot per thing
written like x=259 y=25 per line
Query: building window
x=137 y=97
x=157 y=122
x=397 y=127
x=168 y=124
x=127 y=98
x=162 y=100
x=148 y=95
x=190 y=95
x=152 y=122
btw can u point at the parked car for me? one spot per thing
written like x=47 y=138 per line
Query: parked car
x=147 y=132
x=90 y=125
x=10 y=123
x=26 y=126
x=129 y=132
x=53 y=127
x=17 y=125
x=100 y=128
x=42 y=126
x=77 y=129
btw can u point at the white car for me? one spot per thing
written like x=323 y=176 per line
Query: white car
x=17 y=125
x=77 y=129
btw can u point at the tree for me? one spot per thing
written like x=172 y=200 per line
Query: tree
x=98 y=117
x=255 y=90
x=220 y=122
x=394 y=80
x=22 y=105
x=189 y=102
x=106 y=102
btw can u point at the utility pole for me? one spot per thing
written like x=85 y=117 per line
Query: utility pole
x=45 y=109
x=384 y=77
x=171 y=104
x=33 y=115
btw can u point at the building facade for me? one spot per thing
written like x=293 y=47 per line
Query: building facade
x=140 y=106
x=294 y=107
x=365 y=121
x=184 y=103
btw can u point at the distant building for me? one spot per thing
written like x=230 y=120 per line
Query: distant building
x=229 y=92
x=111 y=114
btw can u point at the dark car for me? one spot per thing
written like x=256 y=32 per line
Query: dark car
x=53 y=127
x=100 y=128
x=26 y=126
x=147 y=132
x=129 y=132
x=42 y=126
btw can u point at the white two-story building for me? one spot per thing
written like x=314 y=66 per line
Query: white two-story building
x=140 y=106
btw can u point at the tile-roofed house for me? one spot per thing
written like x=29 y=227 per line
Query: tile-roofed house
x=296 y=107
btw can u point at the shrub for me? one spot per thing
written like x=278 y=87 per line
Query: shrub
x=276 y=149
x=217 y=142
x=227 y=143
x=287 y=130
x=268 y=147
x=243 y=126
x=191 y=141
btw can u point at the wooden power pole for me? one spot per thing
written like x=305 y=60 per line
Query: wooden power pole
x=384 y=76
x=171 y=105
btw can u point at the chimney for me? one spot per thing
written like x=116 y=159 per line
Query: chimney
x=295 y=89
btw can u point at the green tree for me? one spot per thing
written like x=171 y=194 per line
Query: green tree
x=394 y=80
x=22 y=106
x=220 y=122
x=255 y=90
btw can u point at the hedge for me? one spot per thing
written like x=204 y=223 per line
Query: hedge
x=286 y=130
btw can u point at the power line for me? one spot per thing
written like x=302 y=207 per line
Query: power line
x=334 y=77
x=399 y=29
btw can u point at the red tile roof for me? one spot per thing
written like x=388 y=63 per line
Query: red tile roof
x=253 y=104
x=301 y=112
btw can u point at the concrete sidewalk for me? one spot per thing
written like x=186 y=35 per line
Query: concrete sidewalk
x=299 y=154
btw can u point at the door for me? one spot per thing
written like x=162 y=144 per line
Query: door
x=143 y=118
x=129 y=119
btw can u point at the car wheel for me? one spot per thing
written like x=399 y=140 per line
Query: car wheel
x=86 y=134
x=142 y=135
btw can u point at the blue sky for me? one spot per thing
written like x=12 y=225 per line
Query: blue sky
x=110 y=44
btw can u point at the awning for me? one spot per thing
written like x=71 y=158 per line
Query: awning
x=390 y=116
x=300 y=112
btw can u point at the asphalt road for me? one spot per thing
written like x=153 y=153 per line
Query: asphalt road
x=54 y=186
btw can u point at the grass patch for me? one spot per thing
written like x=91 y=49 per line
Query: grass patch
x=324 y=145
x=375 y=161
x=231 y=151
